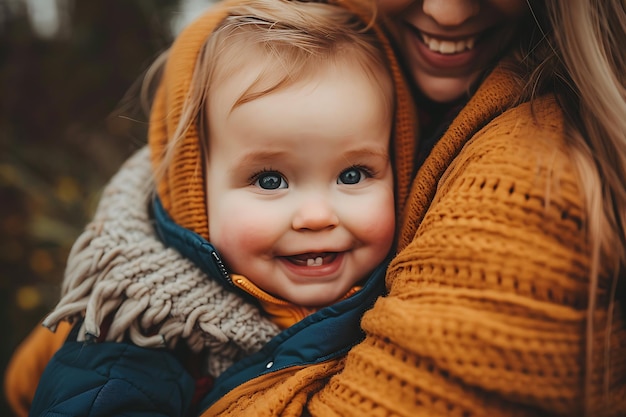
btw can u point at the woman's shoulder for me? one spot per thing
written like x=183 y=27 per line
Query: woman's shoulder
x=532 y=126
x=521 y=152
x=526 y=139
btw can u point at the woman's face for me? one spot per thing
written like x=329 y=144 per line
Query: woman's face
x=450 y=42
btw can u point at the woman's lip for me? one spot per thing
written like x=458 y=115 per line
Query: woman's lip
x=444 y=61
x=447 y=37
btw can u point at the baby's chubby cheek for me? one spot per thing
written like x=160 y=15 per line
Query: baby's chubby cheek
x=236 y=239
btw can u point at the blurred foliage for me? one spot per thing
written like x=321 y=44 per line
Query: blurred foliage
x=61 y=137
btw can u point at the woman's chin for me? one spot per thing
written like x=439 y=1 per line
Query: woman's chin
x=442 y=89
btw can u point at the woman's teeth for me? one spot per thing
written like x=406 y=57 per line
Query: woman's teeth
x=448 y=47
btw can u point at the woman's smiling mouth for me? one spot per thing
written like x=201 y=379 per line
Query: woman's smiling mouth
x=446 y=47
x=450 y=56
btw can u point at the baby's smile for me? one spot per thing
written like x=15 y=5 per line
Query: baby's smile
x=312 y=259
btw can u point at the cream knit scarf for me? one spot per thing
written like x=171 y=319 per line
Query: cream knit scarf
x=119 y=268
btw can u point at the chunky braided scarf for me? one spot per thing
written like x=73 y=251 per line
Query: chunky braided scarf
x=118 y=268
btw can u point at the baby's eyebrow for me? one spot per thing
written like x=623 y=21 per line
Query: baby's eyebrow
x=368 y=152
x=260 y=157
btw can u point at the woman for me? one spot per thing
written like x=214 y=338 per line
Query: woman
x=507 y=294
x=506 y=297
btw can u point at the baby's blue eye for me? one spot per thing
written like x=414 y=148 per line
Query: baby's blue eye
x=270 y=181
x=351 y=175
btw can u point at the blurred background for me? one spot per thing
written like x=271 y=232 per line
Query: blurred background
x=65 y=68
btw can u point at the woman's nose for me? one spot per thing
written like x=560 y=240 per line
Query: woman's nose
x=451 y=12
x=315 y=214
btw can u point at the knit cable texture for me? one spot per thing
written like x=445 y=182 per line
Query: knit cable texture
x=119 y=269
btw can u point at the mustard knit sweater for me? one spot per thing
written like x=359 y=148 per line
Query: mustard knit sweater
x=486 y=313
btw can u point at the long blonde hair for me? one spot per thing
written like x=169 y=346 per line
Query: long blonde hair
x=581 y=58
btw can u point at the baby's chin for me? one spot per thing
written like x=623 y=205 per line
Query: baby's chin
x=315 y=296
x=312 y=300
x=444 y=89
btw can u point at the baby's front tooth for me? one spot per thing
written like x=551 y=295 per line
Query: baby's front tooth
x=315 y=261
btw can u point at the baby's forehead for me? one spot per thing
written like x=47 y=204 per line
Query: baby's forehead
x=339 y=110
x=275 y=68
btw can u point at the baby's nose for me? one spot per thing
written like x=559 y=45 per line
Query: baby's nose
x=315 y=213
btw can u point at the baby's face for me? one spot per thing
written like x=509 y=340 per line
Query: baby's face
x=300 y=184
